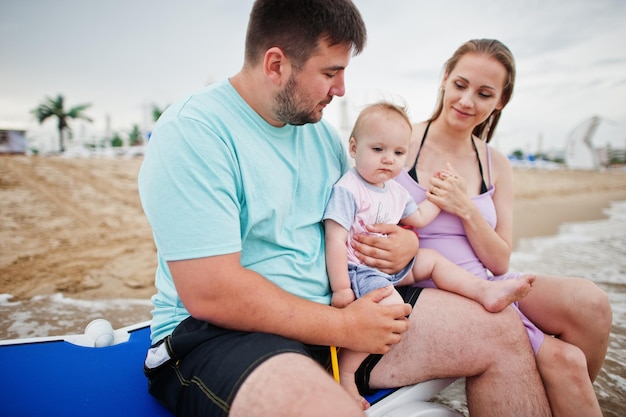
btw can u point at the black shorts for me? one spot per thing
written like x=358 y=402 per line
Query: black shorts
x=208 y=364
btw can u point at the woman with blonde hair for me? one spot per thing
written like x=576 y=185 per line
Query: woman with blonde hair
x=450 y=162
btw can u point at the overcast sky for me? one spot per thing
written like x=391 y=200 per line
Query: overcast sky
x=125 y=55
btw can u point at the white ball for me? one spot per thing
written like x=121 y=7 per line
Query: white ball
x=105 y=339
x=101 y=332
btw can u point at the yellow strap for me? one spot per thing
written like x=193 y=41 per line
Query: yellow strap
x=334 y=362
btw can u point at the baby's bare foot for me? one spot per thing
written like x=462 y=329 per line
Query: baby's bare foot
x=363 y=402
x=347 y=381
x=500 y=294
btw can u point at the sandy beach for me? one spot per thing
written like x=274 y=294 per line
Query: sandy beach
x=75 y=225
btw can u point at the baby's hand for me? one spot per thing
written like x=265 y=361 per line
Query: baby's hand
x=342 y=298
x=446 y=173
x=367 y=232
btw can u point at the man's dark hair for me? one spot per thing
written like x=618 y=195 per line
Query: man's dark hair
x=296 y=27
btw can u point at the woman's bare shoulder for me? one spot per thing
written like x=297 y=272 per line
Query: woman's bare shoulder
x=500 y=164
x=418 y=129
x=498 y=158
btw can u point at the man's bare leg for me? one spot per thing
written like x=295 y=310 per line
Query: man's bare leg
x=292 y=385
x=452 y=336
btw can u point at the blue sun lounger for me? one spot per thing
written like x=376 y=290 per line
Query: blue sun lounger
x=67 y=376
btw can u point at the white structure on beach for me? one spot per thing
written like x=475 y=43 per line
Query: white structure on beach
x=579 y=153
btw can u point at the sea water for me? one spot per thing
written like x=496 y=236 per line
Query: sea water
x=54 y=315
x=595 y=250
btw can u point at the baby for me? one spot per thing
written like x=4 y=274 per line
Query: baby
x=368 y=195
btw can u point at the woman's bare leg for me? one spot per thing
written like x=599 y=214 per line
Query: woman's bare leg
x=452 y=336
x=563 y=369
x=580 y=315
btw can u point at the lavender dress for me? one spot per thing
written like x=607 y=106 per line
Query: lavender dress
x=446 y=235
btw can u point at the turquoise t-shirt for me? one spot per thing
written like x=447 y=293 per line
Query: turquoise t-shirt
x=218 y=179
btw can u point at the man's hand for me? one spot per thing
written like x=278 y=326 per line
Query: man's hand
x=373 y=327
x=388 y=254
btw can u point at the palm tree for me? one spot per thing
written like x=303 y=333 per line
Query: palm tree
x=54 y=107
x=156 y=112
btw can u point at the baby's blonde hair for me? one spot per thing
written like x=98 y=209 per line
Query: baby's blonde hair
x=382 y=106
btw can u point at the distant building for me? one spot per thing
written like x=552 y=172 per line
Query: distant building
x=12 y=139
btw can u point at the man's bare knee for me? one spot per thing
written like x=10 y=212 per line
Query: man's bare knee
x=289 y=385
x=509 y=329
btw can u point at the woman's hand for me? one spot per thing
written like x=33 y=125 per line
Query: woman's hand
x=389 y=254
x=449 y=191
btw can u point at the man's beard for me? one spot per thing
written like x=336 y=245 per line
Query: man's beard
x=287 y=106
